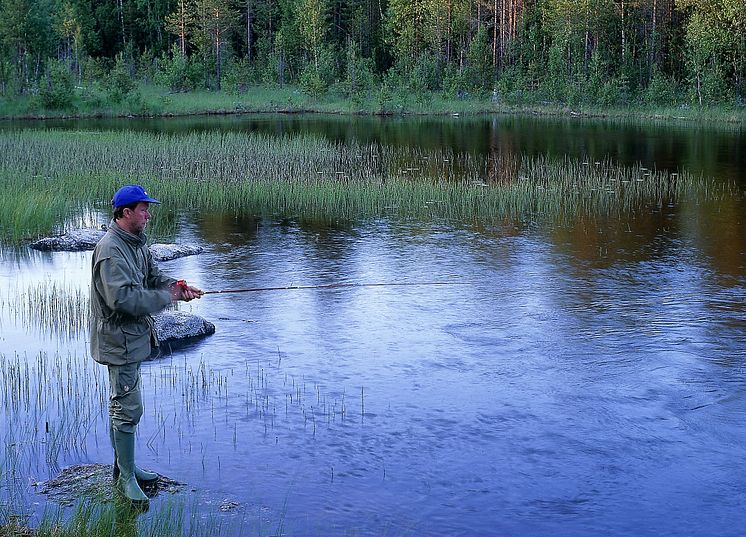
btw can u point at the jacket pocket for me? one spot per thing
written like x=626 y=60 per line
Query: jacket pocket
x=136 y=340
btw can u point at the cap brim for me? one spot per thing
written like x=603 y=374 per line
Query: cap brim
x=151 y=200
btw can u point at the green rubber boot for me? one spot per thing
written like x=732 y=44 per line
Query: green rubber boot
x=125 y=448
x=142 y=476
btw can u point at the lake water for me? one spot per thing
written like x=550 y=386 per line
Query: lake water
x=579 y=380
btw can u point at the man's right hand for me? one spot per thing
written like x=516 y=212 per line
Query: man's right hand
x=182 y=291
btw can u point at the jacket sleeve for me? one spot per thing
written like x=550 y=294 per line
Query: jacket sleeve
x=123 y=293
x=156 y=278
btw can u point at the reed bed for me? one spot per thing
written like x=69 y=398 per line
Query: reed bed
x=54 y=310
x=54 y=414
x=51 y=178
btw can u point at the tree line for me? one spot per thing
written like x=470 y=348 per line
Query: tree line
x=604 y=52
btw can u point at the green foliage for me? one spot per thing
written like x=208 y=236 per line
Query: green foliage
x=359 y=76
x=146 y=66
x=93 y=70
x=422 y=75
x=613 y=92
x=178 y=72
x=119 y=82
x=478 y=76
x=237 y=76
x=595 y=52
x=57 y=87
x=7 y=78
x=317 y=77
x=384 y=98
x=555 y=83
x=513 y=86
x=661 y=90
x=311 y=82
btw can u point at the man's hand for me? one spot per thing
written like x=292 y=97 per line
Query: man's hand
x=182 y=291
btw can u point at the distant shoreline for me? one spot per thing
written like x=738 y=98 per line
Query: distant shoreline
x=156 y=102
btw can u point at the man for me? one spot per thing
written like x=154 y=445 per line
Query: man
x=126 y=287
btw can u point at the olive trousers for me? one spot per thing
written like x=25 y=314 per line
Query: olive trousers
x=125 y=399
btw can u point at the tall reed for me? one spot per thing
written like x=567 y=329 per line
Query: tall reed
x=50 y=179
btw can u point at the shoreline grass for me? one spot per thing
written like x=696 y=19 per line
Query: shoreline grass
x=156 y=101
x=53 y=180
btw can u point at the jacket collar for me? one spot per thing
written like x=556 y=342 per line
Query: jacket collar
x=134 y=240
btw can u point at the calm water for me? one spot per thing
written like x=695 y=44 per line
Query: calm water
x=587 y=379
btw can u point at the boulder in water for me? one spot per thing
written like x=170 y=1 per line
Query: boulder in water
x=166 y=252
x=77 y=240
x=80 y=240
x=172 y=325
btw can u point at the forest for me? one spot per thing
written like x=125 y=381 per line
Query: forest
x=599 y=52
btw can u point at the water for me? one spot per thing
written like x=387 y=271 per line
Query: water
x=587 y=379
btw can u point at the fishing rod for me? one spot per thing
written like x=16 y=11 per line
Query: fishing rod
x=322 y=286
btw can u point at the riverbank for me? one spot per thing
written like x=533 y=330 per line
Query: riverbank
x=156 y=101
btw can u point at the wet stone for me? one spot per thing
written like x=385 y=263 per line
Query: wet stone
x=94 y=481
x=166 y=252
x=171 y=325
x=77 y=240
x=228 y=505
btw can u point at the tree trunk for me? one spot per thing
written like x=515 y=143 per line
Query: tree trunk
x=218 y=46
x=494 y=35
x=624 y=37
x=653 y=39
x=120 y=6
x=248 y=29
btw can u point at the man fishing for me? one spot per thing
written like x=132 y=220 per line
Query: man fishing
x=126 y=288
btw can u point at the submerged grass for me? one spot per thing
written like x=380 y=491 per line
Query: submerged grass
x=52 y=180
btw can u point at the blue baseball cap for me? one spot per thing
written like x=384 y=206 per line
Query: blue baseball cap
x=129 y=194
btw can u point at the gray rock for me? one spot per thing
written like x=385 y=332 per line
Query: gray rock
x=166 y=252
x=77 y=240
x=171 y=325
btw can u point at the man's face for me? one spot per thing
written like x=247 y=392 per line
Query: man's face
x=137 y=218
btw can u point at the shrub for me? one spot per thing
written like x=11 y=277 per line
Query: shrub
x=57 y=87
x=119 y=82
x=661 y=90
x=179 y=72
x=236 y=76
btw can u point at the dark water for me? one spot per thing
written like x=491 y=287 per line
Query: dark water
x=587 y=379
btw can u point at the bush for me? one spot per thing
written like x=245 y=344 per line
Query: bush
x=426 y=74
x=315 y=79
x=359 y=76
x=711 y=86
x=237 y=75
x=146 y=66
x=661 y=90
x=119 y=83
x=513 y=85
x=453 y=81
x=6 y=77
x=179 y=72
x=311 y=82
x=479 y=74
x=57 y=87
x=93 y=71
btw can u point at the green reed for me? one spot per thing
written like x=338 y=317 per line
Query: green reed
x=51 y=178
x=53 y=309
